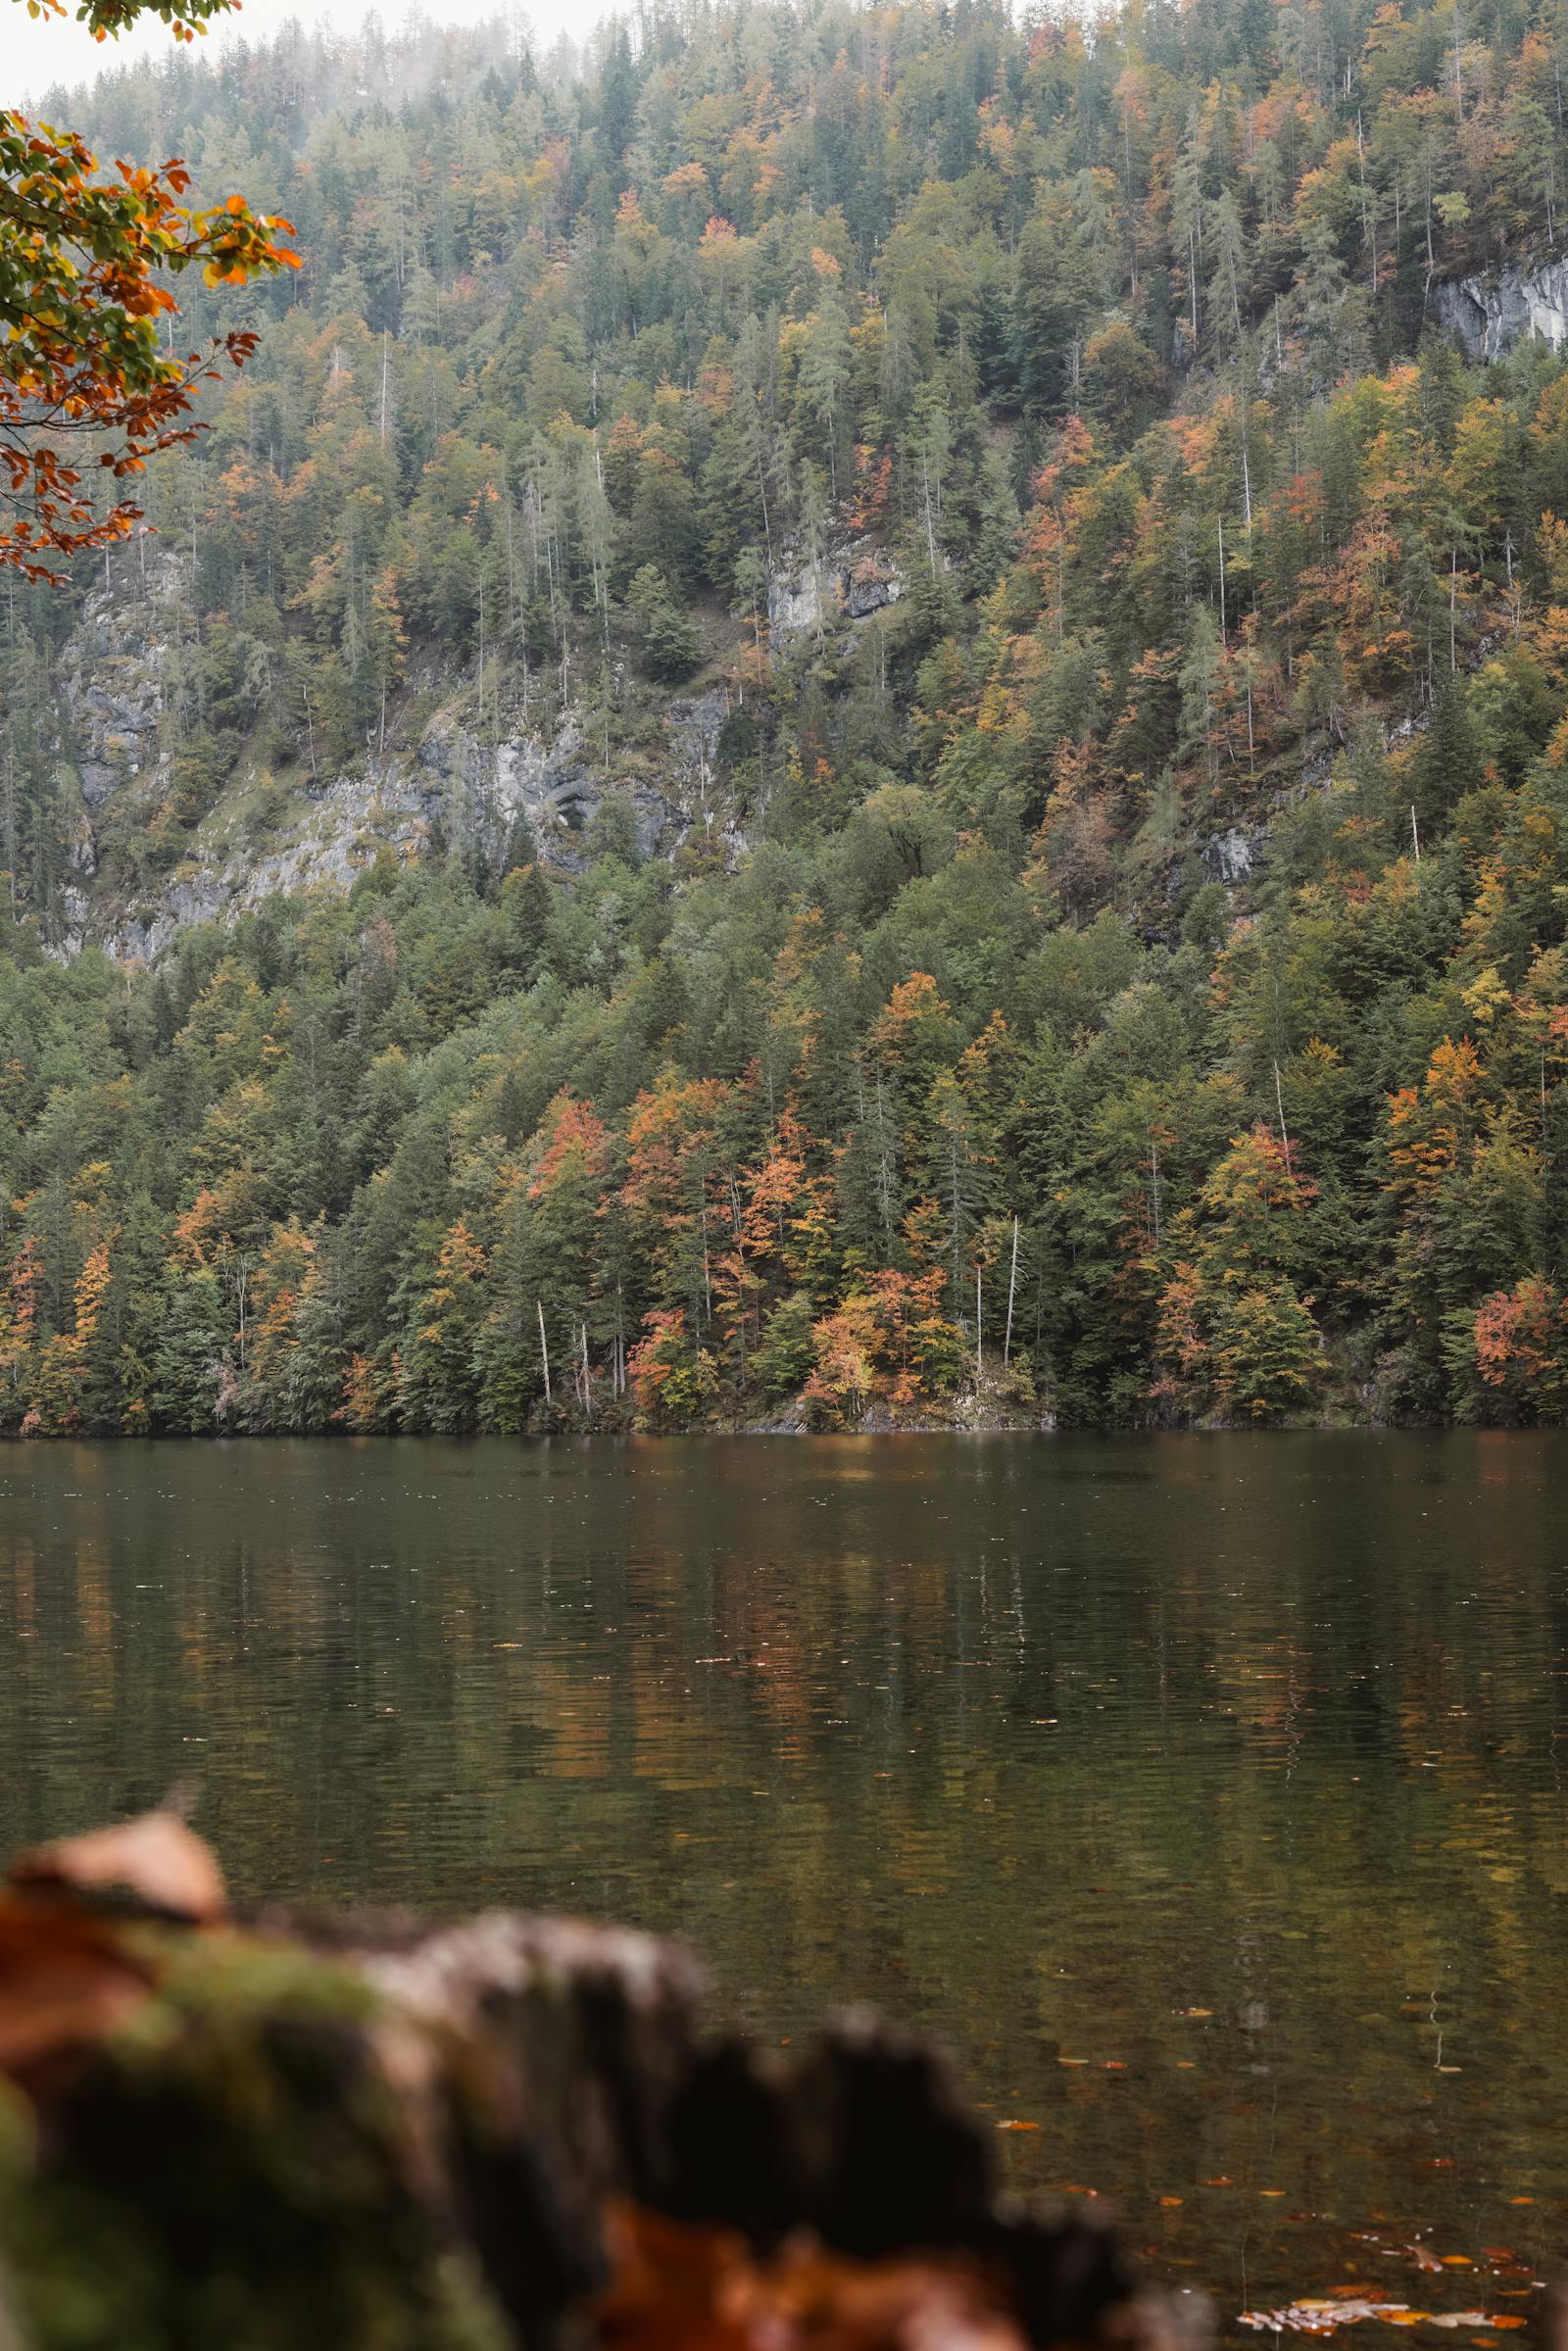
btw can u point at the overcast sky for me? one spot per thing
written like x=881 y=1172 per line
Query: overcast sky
x=36 y=54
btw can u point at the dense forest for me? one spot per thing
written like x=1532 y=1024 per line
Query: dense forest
x=1114 y=969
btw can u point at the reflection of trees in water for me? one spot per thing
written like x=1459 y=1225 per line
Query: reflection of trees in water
x=1213 y=1764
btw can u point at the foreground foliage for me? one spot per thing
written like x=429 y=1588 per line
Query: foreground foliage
x=84 y=259
x=509 y=2130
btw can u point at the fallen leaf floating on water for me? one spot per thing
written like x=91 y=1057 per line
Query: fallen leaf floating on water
x=1325 y=2316
x=153 y=1865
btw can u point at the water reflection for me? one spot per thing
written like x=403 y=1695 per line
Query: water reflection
x=1206 y=1792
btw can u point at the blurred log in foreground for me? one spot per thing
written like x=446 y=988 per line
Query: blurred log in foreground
x=375 y=2135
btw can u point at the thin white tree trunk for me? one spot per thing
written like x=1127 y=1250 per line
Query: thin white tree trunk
x=1012 y=1292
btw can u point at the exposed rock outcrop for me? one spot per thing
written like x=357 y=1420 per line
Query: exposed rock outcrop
x=1233 y=856
x=281 y=823
x=847 y=583
x=1489 y=315
x=452 y=787
x=112 y=682
x=444 y=781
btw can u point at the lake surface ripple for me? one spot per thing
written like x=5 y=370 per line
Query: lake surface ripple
x=1206 y=1793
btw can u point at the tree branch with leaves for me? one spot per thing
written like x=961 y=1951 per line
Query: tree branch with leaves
x=90 y=380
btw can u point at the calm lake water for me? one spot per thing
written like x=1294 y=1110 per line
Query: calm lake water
x=1206 y=1793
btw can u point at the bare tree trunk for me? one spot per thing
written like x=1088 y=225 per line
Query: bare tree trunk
x=1012 y=1292
x=544 y=1349
x=1279 y=1098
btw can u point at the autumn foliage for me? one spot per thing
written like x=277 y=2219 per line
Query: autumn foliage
x=90 y=387
x=1086 y=940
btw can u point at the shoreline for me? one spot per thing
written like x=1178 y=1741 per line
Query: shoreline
x=870 y=1429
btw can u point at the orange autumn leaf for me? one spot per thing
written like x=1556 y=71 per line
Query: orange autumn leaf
x=80 y=271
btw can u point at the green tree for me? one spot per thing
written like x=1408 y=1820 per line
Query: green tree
x=670 y=642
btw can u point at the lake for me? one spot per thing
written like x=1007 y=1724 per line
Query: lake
x=1206 y=1793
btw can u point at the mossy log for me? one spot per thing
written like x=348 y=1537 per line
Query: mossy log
x=369 y=2131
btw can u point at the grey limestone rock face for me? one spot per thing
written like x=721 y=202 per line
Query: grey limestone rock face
x=321 y=833
x=848 y=583
x=1230 y=856
x=98 y=781
x=469 y=792
x=797 y=603
x=1489 y=315
x=556 y=787
x=111 y=682
x=83 y=851
x=451 y=788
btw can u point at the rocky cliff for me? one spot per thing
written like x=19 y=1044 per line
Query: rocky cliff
x=443 y=778
x=1489 y=315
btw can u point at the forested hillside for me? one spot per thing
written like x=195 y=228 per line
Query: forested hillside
x=878 y=723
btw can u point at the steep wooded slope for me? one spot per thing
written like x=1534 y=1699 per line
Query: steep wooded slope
x=876 y=719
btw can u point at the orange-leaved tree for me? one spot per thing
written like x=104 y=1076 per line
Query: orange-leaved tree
x=88 y=382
